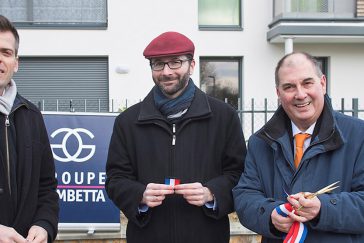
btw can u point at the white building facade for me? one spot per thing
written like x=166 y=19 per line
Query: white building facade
x=255 y=37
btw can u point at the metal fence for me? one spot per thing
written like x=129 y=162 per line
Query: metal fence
x=253 y=114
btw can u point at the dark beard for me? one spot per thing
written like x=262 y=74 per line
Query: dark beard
x=182 y=82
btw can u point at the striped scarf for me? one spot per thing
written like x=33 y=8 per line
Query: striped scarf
x=174 y=109
x=298 y=231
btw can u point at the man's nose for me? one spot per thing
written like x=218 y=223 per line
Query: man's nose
x=300 y=93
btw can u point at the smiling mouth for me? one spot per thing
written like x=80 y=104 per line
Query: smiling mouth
x=303 y=105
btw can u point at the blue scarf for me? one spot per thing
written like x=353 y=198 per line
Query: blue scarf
x=174 y=109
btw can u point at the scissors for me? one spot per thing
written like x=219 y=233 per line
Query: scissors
x=326 y=189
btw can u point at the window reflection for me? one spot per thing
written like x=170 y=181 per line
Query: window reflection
x=219 y=13
x=220 y=78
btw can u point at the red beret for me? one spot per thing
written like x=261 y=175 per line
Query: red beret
x=169 y=44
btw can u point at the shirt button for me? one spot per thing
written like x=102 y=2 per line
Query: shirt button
x=333 y=201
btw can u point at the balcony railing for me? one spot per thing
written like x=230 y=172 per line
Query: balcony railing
x=315 y=9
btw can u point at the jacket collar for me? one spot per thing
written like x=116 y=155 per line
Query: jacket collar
x=18 y=102
x=199 y=108
x=326 y=130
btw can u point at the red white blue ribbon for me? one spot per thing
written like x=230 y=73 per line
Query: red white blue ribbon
x=173 y=182
x=298 y=231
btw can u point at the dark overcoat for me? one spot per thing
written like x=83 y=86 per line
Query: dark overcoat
x=36 y=199
x=207 y=146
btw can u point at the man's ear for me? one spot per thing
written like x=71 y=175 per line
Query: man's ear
x=323 y=83
x=16 y=66
x=192 y=66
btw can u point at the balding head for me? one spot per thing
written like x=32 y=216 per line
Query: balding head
x=296 y=59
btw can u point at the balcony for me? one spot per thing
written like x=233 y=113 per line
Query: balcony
x=317 y=21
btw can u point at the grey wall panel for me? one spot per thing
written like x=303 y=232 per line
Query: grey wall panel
x=84 y=80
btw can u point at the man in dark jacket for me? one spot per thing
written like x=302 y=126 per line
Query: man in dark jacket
x=28 y=197
x=175 y=157
x=332 y=151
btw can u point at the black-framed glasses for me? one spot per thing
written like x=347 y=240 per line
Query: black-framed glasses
x=174 y=64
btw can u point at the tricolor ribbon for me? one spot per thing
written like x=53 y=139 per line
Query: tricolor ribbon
x=298 y=231
x=173 y=182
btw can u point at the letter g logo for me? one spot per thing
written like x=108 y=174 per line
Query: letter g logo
x=63 y=146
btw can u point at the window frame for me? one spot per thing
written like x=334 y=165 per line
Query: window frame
x=239 y=60
x=224 y=27
x=325 y=70
x=61 y=25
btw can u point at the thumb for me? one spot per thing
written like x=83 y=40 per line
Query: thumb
x=31 y=234
x=18 y=238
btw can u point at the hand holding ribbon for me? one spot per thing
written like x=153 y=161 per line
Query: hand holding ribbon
x=298 y=231
x=301 y=207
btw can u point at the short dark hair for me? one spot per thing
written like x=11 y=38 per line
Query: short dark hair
x=6 y=25
x=309 y=57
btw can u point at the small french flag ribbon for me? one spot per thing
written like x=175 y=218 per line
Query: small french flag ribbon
x=173 y=182
x=298 y=231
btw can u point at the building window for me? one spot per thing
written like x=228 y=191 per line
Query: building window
x=324 y=63
x=315 y=6
x=217 y=14
x=220 y=78
x=56 y=13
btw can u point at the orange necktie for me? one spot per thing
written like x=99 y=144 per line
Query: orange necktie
x=300 y=139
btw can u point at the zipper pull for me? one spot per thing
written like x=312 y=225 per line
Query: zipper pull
x=174 y=134
x=174 y=140
x=7 y=122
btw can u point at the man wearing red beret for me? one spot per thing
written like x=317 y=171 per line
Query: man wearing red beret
x=175 y=157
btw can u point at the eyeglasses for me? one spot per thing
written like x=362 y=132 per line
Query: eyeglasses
x=174 y=64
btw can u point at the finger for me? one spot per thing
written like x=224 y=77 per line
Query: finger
x=159 y=192
x=31 y=234
x=154 y=201
x=149 y=192
x=155 y=186
x=294 y=202
x=194 y=198
x=185 y=191
x=188 y=186
x=40 y=238
x=37 y=234
x=198 y=191
x=196 y=202
x=296 y=217
x=18 y=238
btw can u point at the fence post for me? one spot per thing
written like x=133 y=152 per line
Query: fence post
x=343 y=105
x=252 y=115
x=265 y=110
x=240 y=109
x=72 y=109
x=355 y=107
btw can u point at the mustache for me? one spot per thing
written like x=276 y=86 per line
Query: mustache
x=167 y=78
